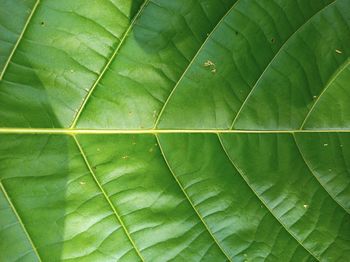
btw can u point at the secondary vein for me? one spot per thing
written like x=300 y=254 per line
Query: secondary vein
x=106 y=197
x=86 y=98
x=262 y=200
x=333 y=78
x=189 y=65
x=20 y=221
x=272 y=60
x=189 y=200
x=19 y=38
x=318 y=180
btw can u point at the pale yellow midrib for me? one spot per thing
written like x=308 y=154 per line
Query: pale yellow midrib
x=69 y=131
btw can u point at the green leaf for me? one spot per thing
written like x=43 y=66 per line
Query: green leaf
x=185 y=130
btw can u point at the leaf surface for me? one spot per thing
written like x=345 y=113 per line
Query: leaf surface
x=155 y=130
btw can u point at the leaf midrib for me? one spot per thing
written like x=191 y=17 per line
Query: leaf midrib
x=68 y=131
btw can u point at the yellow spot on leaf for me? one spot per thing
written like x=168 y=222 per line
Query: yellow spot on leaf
x=208 y=63
x=211 y=66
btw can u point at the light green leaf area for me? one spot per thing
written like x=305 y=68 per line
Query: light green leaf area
x=183 y=130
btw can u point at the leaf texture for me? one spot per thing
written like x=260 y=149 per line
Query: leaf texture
x=185 y=130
